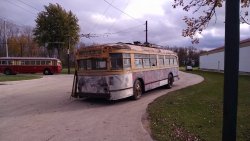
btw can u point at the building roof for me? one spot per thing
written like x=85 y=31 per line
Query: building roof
x=243 y=43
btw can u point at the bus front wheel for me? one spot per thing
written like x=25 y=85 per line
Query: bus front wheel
x=137 y=90
x=170 y=81
x=46 y=72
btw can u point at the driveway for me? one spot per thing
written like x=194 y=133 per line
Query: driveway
x=42 y=109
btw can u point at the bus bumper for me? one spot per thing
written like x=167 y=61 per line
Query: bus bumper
x=93 y=95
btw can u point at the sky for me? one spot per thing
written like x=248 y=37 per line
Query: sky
x=124 y=21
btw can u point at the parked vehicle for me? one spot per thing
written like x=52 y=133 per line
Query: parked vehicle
x=116 y=71
x=14 y=65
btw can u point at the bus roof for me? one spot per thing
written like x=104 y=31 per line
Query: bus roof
x=27 y=58
x=130 y=47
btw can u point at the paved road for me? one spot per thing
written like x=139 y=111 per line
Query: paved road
x=41 y=109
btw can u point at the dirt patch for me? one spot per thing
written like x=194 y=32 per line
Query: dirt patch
x=179 y=133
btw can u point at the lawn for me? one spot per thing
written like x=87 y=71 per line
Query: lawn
x=65 y=71
x=195 y=113
x=18 y=77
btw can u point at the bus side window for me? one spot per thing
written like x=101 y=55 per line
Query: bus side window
x=88 y=65
x=126 y=61
x=99 y=64
x=10 y=62
x=116 y=61
x=32 y=62
x=146 y=63
x=22 y=62
x=138 y=60
x=153 y=60
x=161 y=60
x=38 y=62
x=167 y=61
x=42 y=62
x=27 y=62
x=138 y=63
x=175 y=61
x=172 y=61
x=48 y=63
x=4 y=62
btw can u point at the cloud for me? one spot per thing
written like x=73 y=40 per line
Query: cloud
x=165 y=23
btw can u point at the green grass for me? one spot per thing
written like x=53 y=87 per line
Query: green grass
x=65 y=71
x=18 y=77
x=196 y=112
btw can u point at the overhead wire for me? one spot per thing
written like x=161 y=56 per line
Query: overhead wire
x=12 y=21
x=31 y=12
x=120 y=31
x=103 y=13
x=115 y=21
x=29 y=5
x=122 y=11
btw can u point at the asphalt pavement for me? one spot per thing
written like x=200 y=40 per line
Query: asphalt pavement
x=42 y=110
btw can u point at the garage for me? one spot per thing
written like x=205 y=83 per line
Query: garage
x=213 y=60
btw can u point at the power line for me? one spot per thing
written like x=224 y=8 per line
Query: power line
x=104 y=12
x=122 y=11
x=116 y=20
x=29 y=5
x=21 y=7
x=12 y=22
x=93 y=35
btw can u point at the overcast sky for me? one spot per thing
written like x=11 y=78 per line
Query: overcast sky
x=165 y=24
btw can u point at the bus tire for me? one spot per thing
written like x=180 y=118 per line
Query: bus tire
x=7 y=72
x=170 y=81
x=137 y=90
x=46 y=72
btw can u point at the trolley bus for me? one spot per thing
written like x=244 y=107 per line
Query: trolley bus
x=116 y=71
x=14 y=65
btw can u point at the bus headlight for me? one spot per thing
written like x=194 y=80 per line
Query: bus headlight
x=111 y=80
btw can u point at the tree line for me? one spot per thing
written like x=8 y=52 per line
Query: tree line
x=187 y=55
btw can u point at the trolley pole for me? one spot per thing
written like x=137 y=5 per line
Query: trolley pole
x=146 y=32
x=5 y=38
x=231 y=70
x=68 y=55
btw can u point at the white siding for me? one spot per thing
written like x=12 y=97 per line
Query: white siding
x=215 y=61
x=244 y=59
x=212 y=61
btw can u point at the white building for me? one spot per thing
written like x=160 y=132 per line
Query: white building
x=214 y=59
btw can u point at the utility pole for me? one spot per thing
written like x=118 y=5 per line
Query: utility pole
x=5 y=38
x=231 y=70
x=68 y=55
x=21 y=49
x=146 y=32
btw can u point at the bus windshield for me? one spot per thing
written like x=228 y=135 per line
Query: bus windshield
x=120 y=61
x=92 y=64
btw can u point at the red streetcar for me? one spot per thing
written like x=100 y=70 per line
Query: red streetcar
x=14 y=65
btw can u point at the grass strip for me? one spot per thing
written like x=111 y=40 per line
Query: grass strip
x=195 y=113
x=18 y=77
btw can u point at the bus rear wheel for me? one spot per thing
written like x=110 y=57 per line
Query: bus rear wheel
x=46 y=72
x=7 y=72
x=137 y=90
x=170 y=81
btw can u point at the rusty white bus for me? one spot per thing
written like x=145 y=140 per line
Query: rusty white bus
x=116 y=71
x=14 y=65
